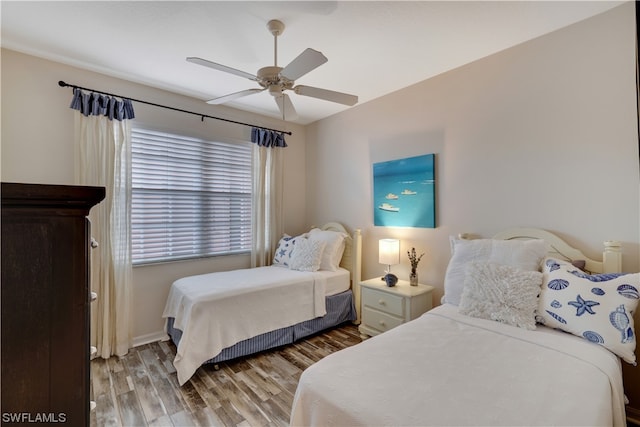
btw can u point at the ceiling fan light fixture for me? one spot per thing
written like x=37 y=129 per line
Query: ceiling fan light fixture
x=275 y=90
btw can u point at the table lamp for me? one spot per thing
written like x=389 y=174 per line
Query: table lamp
x=389 y=254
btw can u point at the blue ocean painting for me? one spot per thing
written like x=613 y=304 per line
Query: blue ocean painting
x=404 y=192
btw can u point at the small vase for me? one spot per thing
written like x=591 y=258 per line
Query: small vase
x=413 y=278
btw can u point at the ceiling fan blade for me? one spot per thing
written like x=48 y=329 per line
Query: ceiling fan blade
x=221 y=67
x=232 y=96
x=328 y=95
x=286 y=108
x=308 y=60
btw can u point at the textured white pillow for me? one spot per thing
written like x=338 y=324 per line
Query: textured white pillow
x=597 y=307
x=501 y=293
x=307 y=255
x=333 y=249
x=523 y=254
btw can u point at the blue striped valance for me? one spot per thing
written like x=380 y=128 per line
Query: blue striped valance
x=97 y=104
x=267 y=138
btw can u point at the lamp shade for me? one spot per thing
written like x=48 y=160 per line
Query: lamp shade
x=389 y=251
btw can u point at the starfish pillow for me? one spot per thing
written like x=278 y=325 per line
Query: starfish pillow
x=598 y=308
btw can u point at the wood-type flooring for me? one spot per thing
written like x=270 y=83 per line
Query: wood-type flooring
x=141 y=388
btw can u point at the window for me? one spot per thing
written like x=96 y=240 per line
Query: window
x=190 y=198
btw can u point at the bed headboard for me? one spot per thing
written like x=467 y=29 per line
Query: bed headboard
x=351 y=257
x=558 y=248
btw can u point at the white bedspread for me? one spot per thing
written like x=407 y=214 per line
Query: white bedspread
x=447 y=369
x=217 y=310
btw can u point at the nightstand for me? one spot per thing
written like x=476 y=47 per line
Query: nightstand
x=385 y=307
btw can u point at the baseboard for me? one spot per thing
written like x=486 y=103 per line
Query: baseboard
x=149 y=338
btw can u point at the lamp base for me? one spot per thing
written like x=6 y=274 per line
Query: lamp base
x=390 y=279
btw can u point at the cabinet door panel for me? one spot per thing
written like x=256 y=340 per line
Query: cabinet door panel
x=26 y=314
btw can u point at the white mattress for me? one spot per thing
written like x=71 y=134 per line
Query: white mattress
x=448 y=369
x=337 y=281
x=218 y=310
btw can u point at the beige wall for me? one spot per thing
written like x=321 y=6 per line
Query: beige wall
x=542 y=134
x=37 y=147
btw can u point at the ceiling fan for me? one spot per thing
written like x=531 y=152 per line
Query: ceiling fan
x=277 y=79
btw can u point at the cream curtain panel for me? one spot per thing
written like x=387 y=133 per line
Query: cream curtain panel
x=103 y=158
x=267 y=225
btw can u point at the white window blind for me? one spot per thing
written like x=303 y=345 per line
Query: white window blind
x=190 y=198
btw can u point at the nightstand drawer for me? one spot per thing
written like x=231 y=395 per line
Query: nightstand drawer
x=379 y=320
x=383 y=301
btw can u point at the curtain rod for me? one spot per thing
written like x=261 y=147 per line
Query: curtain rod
x=202 y=116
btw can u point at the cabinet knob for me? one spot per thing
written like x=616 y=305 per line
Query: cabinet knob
x=381 y=302
x=94 y=296
x=94 y=243
x=382 y=323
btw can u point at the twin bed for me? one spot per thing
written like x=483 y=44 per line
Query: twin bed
x=527 y=334
x=221 y=316
x=479 y=358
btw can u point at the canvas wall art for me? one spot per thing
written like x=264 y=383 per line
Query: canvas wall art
x=404 y=192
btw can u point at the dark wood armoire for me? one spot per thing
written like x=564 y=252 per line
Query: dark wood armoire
x=45 y=297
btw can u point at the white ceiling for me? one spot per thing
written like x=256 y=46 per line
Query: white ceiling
x=373 y=47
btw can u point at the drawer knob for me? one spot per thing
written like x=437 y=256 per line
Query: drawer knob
x=381 y=302
x=382 y=323
x=94 y=243
x=93 y=296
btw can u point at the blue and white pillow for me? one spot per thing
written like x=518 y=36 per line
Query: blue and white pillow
x=286 y=245
x=597 y=307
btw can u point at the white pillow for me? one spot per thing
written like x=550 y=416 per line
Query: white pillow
x=523 y=254
x=307 y=255
x=501 y=293
x=332 y=254
x=287 y=243
x=597 y=307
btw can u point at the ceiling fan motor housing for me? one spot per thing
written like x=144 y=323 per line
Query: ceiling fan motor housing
x=270 y=78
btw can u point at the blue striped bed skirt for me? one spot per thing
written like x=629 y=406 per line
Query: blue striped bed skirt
x=340 y=309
